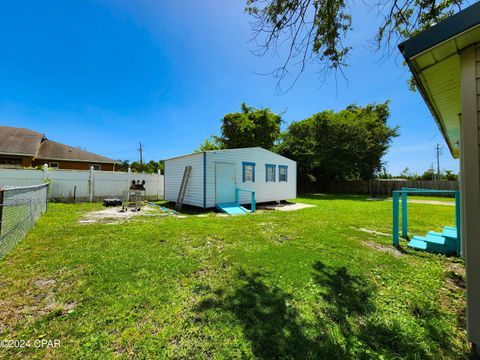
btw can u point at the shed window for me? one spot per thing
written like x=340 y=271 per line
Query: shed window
x=282 y=173
x=248 y=171
x=96 y=167
x=270 y=172
x=54 y=165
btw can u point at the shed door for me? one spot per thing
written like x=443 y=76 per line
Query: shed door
x=224 y=183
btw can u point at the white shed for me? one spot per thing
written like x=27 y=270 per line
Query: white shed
x=225 y=178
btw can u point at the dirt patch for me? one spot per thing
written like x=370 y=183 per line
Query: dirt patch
x=44 y=283
x=285 y=207
x=114 y=215
x=372 y=231
x=383 y=248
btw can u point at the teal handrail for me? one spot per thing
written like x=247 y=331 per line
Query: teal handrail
x=237 y=198
x=404 y=192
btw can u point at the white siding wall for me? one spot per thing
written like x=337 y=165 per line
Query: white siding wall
x=264 y=191
x=470 y=184
x=174 y=169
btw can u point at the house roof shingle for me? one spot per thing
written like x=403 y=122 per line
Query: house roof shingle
x=56 y=151
x=19 y=141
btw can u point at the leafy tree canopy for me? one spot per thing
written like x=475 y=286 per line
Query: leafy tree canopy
x=212 y=143
x=343 y=145
x=250 y=127
x=150 y=167
x=317 y=30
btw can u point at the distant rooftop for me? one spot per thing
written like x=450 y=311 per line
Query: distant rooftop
x=25 y=142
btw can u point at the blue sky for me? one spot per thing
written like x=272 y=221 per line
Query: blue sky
x=104 y=75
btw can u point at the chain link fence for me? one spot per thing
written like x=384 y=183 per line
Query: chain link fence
x=20 y=207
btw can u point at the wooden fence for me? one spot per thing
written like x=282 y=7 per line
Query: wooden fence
x=382 y=187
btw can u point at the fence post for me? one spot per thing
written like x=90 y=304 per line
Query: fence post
x=2 y=196
x=158 y=184
x=91 y=187
x=129 y=180
x=45 y=172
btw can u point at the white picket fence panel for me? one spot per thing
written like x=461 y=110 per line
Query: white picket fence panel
x=82 y=185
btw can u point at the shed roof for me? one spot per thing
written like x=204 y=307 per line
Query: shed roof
x=433 y=56
x=224 y=150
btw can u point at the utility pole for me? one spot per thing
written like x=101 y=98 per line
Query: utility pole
x=141 y=157
x=438 y=161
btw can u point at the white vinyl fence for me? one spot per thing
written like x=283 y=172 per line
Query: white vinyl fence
x=82 y=185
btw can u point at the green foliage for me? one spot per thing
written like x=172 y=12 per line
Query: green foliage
x=317 y=30
x=449 y=175
x=344 y=145
x=213 y=143
x=124 y=165
x=303 y=284
x=248 y=128
x=429 y=174
x=150 y=167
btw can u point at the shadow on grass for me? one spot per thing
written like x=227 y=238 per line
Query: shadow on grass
x=347 y=324
x=340 y=197
x=186 y=209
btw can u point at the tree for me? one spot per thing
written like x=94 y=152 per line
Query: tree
x=212 y=143
x=449 y=175
x=317 y=30
x=123 y=166
x=429 y=174
x=346 y=145
x=250 y=127
x=150 y=167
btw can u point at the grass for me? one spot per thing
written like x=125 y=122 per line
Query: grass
x=303 y=284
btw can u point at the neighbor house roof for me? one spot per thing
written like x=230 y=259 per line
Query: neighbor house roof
x=434 y=59
x=53 y=150
x=19 y=141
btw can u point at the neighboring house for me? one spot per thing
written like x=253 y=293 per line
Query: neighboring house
x=216 y=175
x=445 y=61
x=26 y=148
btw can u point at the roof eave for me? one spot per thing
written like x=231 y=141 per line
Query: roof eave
x=78 y=160
x=431 y=107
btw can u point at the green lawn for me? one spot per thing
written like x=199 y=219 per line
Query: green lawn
x=302 y=284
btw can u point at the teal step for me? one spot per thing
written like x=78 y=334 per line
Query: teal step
x=449 y=234
x=433 y=243
x=417 y=244
x=450 y=228
x=232 y=208
x=435 y=238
